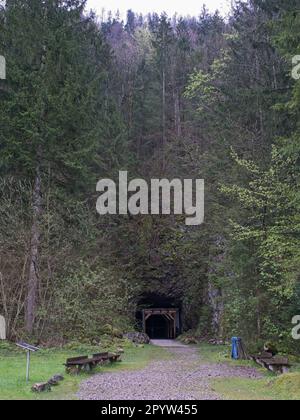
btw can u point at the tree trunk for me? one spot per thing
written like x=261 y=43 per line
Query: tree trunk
x=33 y=279
x=177 y=113
x=163 y=101
x=164 y=109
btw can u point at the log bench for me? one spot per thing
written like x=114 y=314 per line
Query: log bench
x=274 y=364
x=103 y=357
x=84 y=363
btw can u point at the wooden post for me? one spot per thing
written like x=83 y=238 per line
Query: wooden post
x=144 y=322
x=28 y=366
x=174 y=326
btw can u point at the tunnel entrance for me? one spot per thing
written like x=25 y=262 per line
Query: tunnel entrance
x=157 y=327
x=159 y=316
x=160 y=323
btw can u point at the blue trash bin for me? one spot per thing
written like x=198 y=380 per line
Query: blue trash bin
x=235 y=341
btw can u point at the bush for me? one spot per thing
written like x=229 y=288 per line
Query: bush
x=89 y=304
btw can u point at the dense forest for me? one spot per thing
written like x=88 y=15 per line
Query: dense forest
x=160 y=97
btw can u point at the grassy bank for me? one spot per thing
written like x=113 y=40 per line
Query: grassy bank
x=270 y=387
x=48 y=362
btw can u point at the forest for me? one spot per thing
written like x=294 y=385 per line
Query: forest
x=204 y=97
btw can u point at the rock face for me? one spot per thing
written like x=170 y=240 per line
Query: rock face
x=137 y=337
x=189 y=340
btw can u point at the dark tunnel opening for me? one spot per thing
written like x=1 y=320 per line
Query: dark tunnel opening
x=157 y=327
x=159 y=316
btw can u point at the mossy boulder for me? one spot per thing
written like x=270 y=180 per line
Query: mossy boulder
x=188 y=338
x=137 y=337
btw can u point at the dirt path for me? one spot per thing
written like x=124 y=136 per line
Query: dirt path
x=183 y=377
x=168 y=343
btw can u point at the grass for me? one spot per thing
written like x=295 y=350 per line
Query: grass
x=282 y=388
x=270 y=387
x=46 y=363
x=222 y=354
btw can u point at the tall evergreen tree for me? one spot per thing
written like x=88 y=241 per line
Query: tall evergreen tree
x=52 y=114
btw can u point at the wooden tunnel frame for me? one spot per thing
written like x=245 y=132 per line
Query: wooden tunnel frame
x=170 y=315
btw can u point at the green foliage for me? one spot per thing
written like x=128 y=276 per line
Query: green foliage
x=91 y=303
x=257 y=266
x=58 y=122
x=160 y=97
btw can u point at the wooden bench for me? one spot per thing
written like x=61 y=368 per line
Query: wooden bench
x=84 y=363
x=76 y=364
x=274 y=364
x=114 y=357
x=102 y=357
x=263 y=355
x=277 y=364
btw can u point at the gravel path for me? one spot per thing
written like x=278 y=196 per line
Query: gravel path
x=168 y=343
x=183 y=377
